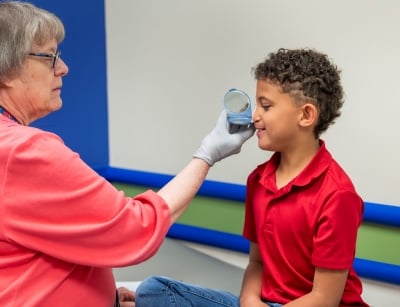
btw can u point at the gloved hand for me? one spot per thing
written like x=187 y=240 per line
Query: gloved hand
x=219 y=143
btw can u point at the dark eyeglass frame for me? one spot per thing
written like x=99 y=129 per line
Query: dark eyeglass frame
x=55 y=56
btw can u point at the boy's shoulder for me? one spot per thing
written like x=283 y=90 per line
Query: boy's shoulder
x=338 y=175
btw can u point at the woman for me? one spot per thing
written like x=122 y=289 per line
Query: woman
x=62 y=227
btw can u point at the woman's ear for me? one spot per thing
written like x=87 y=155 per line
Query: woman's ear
x=309 y=115
x=6 y=82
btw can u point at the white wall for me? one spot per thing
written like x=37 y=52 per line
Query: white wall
x=170 y=63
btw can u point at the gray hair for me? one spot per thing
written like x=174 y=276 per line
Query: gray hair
x=23 y=25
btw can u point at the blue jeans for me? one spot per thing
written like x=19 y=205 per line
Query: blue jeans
x=164 y=292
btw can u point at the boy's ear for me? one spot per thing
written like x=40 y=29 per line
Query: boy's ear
x=309 y=115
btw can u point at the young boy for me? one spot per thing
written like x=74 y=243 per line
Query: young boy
x=302 y=210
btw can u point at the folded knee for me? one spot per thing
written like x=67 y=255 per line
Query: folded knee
x=151 y=286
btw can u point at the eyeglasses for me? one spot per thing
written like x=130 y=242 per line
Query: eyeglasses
x=54 y=56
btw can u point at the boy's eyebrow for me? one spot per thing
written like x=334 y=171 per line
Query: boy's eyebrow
x=263 y=99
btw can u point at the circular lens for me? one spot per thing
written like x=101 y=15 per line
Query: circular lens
x=236 y=101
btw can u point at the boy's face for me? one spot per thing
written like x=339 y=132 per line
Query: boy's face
x=276 y=117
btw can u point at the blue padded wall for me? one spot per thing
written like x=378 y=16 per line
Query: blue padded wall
x=82 y=122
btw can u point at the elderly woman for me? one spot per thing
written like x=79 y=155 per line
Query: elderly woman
x=63 y=227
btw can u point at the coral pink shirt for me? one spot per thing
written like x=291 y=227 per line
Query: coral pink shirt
x=62 y=227
x=311 y=222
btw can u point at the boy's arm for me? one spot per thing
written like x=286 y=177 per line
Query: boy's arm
x=328 y=287
x=250 y=294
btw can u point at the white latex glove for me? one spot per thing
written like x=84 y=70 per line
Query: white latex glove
x=219 y=143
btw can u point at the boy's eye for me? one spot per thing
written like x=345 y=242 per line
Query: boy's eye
x=265 y=106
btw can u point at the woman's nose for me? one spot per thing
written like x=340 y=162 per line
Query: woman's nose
x=61 y=69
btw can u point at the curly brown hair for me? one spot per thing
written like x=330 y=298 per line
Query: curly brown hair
x=306 y=75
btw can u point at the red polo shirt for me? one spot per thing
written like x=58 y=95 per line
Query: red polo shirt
x=311 y=222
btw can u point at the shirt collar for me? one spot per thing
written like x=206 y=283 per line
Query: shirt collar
x=318 y=165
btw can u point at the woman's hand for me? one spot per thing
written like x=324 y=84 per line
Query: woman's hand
x=126 y=297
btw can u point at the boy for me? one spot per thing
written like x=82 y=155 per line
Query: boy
x=302 y=211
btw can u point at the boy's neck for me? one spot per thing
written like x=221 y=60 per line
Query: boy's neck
x=293 y=163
